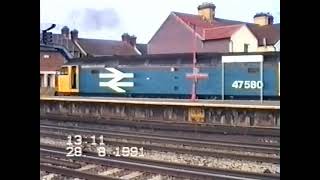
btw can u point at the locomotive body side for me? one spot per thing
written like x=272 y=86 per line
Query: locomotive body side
x=241 y=80
x=166 y=78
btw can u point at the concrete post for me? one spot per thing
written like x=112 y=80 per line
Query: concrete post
x=45 y=80
x=41 y=80
x=53 y=80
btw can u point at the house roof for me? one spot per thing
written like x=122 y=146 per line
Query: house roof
x=56 y=48
x=277 y=26
x=196 y=19
x=143 y=48
x=219 y=28
x=270 y=32
x=47 y=49
x=223 y=28
x=98 y=47
x=101 y=47
x=59 y=40
x=220 y=32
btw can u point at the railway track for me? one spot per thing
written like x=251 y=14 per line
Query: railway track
x=144 y=165
x=236 y=146
x=167 y=126
x=267 y=159
x=244 y=139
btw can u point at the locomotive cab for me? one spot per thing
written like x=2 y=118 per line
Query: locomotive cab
x=67 y=80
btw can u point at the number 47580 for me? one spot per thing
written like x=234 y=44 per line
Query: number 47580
x=247 y=84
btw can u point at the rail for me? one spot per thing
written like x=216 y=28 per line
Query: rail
x=164 y=167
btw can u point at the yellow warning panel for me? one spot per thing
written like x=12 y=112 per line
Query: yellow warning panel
x=196 y=115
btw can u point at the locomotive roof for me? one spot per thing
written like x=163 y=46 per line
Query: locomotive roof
x=162 y=57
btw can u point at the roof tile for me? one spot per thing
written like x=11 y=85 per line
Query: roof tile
x=270 y=32
x=220 y=32
x=99 y=47
x=223 y=28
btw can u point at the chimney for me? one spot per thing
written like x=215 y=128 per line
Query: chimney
x=207 y=11
x=129 y=39
x=125 y=37
x=74 y=34
x=133 y=40
x=65 y=32
x=263 y=19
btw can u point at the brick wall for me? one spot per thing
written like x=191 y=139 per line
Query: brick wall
x=51 y=61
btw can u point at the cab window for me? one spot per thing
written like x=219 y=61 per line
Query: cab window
x=64 y=71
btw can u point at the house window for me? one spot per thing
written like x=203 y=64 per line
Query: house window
x=246 y=47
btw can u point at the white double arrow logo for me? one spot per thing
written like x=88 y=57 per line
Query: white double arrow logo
x=114 y=83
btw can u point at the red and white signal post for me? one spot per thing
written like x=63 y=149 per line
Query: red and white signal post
x=195 y=75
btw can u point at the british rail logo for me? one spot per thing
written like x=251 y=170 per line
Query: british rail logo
x=114 y=83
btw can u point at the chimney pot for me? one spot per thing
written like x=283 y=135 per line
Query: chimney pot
x=133 y=40
x=125 y=37
x=65 y=31
x=263 y=19
x=206 y=5
x=74 y=34
x=207 y=11
x=129 y=39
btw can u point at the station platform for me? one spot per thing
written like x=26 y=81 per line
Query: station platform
x=254 y=104
x=212 y=112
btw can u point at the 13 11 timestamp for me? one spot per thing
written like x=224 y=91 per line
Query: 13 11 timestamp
x=78 y=140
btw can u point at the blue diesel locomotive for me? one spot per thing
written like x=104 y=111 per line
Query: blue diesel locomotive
x=229 y=76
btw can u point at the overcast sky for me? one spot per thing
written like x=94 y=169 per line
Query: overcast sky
x=109 y=19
